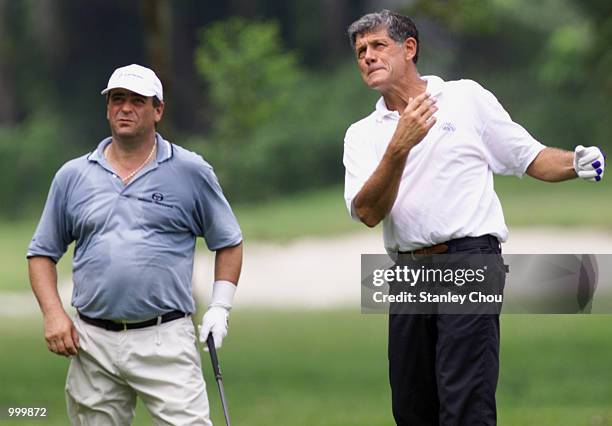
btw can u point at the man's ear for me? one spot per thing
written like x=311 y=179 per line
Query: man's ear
x=159 y=111
x=411 y=47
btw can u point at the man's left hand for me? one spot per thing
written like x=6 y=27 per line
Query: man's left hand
x=215 y=322
x=589 y=163
x=215 y=319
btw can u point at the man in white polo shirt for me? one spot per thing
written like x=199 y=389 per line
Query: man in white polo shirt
x=423 y=164
x=134 y=207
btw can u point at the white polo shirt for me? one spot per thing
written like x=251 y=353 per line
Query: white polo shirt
x=446 y=190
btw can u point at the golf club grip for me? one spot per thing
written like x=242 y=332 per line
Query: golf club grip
x=213 y=355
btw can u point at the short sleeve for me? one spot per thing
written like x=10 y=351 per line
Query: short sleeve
x=53 y=234
x=509 y=148
x=359 y=162
x=214 y=218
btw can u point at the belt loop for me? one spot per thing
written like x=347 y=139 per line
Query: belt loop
x=157 y=337
x=125 y=326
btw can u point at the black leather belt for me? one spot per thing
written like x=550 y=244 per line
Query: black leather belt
x=121 y=326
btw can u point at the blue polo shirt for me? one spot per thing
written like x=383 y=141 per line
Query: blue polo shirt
x=135 y=243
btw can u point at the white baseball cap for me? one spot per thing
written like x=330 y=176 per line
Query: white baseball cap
x=136 y=78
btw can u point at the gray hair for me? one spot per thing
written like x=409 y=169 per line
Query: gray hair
x=399 y=27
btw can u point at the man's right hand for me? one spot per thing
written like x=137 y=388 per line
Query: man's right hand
x=415 y=122
x=376 y=197
x=61 y=335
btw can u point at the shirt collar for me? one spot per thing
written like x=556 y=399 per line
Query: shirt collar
x=434 y=84
x=434 y=88
x=164 y=150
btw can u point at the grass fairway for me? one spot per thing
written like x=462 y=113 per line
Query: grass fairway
x=13 y=247
x=529 y=202
x=555 y=370
x=329 y=368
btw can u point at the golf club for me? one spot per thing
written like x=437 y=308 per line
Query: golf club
x=215 y=364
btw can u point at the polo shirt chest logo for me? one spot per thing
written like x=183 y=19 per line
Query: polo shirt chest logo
x=156 y=199
x=448 y=127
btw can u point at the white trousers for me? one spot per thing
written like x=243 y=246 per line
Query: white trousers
x=160 y=364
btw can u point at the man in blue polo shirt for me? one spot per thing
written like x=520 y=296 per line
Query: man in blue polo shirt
x=134 y=207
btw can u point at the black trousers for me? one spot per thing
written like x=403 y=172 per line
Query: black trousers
x=443 y=368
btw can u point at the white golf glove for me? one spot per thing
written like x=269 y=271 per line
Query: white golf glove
x=589 y=163
x=215 y=319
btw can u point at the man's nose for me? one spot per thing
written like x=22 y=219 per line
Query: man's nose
x=369 y=57
x=126 y=107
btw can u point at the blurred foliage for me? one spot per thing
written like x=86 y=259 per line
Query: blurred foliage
x=251 y=79
x=266 y=98
x=278 y=128
x=462 y=16
x=542 y=60
x=26 y=153
x=564 y=55
x=598 y=67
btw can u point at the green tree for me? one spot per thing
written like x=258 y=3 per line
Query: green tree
x=251 y=78
x=276 y=127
